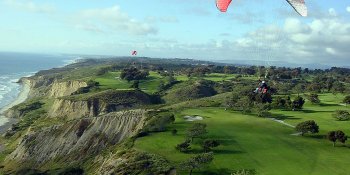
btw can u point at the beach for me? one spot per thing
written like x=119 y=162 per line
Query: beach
x=13 y=66
x=5 y=122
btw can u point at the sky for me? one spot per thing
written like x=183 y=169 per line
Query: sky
x=265 y=30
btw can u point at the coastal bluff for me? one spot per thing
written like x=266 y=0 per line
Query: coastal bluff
x=77 y=139
x=52 y=87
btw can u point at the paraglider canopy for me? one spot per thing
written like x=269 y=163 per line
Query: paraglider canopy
x=298 y=5
x=222 y=5
x=134 y=53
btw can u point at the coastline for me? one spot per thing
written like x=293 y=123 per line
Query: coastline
x=6 y=122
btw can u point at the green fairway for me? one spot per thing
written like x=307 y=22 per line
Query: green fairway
x=250 y=142
x=321 y=113
x=112 y=80
x=216 y=77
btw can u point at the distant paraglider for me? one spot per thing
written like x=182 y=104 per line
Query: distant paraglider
x=134 y=53
x=298 y=5
x=263 y=88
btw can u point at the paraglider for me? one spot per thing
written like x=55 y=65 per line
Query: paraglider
x=263 y=88
x=298 y=5
x=134 y=53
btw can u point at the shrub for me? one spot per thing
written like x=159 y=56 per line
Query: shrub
x=196 y=130
x=313 y=98
x=341 y=115
x=159 y=122
x=347 y=100
x=184 y=146
x=209 y=144
x=307 y=126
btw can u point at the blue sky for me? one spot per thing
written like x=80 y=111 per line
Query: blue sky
x=251 y=29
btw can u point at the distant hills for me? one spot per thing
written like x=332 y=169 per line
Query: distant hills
x=277 y=63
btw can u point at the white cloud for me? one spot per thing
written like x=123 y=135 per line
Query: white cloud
x=112 y=20
x=322 y=40
x=332 y=12
x=30 y=6
x=348 y=9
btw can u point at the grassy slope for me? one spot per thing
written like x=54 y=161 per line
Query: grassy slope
x=267 y=146
x=111 y=80
x=217 y=77
x=321 y=113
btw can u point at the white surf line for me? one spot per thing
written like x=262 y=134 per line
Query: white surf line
x=282 y=122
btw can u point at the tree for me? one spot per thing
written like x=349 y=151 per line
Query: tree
x=209 y=144
x=262 y=110
x=298 y=103
x=313 y=98
x=197 y=162
x=338 y=87
x=333 y=136
x=133 y=73
x=184 y=146
x=341 y=115
x=196 y=130
x=347 y=100
x=307 y=126
x=299 y=88
x=314 y=87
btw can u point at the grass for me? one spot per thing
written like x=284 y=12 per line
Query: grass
x=216 y=77
x=111 y=80
x=321 y=113
x=249 y=142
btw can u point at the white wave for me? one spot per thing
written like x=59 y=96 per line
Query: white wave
x=4 y=77
x=2 y=87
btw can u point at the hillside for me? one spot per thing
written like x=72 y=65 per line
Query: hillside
x=86 y=118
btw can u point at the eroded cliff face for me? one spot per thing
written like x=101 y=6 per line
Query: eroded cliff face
x=77 y=139
x=60 y=89
x=52 y=87
x=79 y=109
x=96 y=104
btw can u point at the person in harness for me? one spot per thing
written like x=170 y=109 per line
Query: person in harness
x=263 y=88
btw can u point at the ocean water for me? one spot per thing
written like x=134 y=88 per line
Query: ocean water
x=13 y=66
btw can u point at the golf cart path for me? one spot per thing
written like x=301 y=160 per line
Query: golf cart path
x=284 y=123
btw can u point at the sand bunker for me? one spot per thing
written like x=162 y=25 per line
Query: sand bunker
x=193 y=118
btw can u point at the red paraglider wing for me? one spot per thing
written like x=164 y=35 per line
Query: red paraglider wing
x=222 y=5
x=134 y=52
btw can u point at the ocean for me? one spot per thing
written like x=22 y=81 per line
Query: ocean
x=13 y=66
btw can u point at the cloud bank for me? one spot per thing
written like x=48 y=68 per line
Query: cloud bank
x=30 y=6
x=112 y=19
